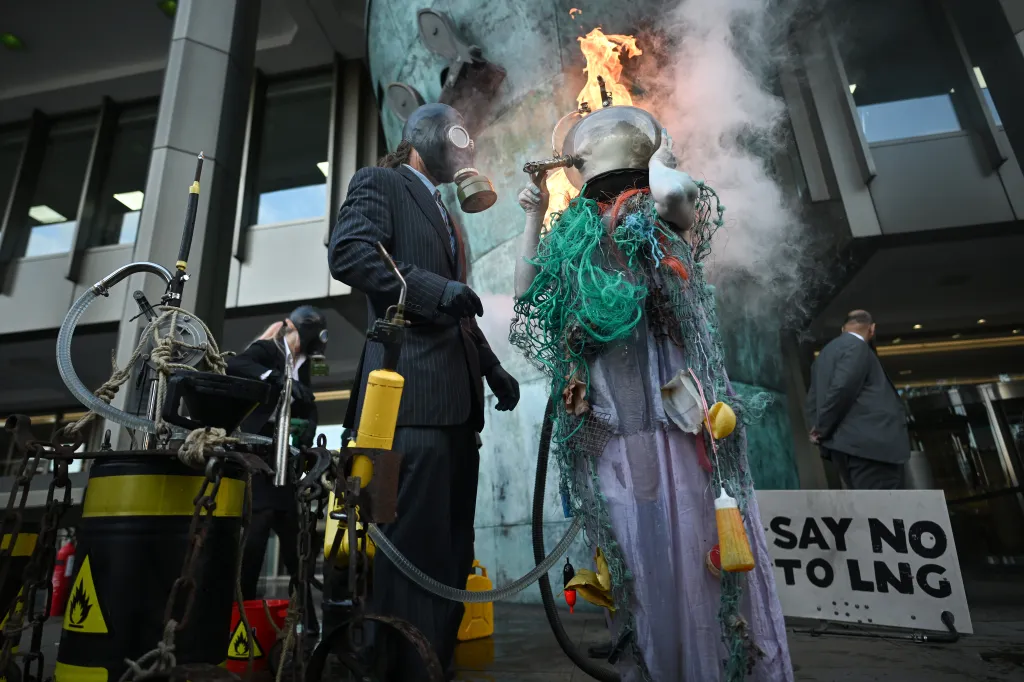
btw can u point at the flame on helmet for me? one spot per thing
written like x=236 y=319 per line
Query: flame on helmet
x=604 y=54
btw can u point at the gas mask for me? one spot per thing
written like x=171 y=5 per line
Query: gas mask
x=438 y=133
x=311 y=325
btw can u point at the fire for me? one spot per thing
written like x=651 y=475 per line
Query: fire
x=561 y=191
x=604 y=53
x=604 y=58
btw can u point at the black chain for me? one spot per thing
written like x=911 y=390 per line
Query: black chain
x=307 y=522
x=184 y=588
x=38 y=571
x=13 y=518
x=38 y=574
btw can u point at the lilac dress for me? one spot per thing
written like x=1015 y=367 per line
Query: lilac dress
x=661 y=504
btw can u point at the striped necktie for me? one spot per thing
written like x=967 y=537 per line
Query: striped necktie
x=448 y=224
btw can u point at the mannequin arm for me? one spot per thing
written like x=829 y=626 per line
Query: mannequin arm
x=525 y=271
x=674 y=192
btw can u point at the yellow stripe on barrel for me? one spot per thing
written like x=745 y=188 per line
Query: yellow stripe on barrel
x=157 y=495
x=78 y=673
x=23 y=546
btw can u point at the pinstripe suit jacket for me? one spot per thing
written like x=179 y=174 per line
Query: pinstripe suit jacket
x=443 y=359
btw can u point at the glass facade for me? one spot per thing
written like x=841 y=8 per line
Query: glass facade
x=291 y=168
x=901 y=77
x=987 y=95
x=11 y=145
x=123 y=190
x=972 y=439
x=53 y=212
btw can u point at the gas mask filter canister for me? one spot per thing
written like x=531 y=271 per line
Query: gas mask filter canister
x=438 y=134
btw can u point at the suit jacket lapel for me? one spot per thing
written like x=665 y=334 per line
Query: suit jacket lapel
x=429 y=207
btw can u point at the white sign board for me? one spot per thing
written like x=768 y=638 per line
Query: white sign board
x=865 y=556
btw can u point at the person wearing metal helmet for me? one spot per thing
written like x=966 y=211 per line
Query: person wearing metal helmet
x=445 y=360
x=274 y=509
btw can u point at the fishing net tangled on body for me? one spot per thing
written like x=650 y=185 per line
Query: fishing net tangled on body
x=591 y=289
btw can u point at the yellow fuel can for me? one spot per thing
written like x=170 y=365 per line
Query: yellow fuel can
x=478 y=621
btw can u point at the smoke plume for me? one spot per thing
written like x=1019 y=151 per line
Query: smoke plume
x=712 y=91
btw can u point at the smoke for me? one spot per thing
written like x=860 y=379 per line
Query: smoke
x=710 y=86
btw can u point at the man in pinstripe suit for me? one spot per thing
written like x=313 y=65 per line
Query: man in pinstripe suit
x=444 y=360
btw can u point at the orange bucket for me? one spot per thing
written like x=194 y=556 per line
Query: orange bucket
x=264 y=634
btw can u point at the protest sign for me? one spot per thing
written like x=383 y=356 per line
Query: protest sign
x=865 y=556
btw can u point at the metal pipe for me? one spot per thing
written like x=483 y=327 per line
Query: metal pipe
x=125 y=271
x=394 y=269
x=191 y=209
x=284 y=419
x=149 y=441
x=550 y=164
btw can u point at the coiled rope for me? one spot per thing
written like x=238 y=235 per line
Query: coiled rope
x=165 y=346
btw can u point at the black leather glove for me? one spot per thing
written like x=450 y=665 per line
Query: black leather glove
x=505 y=387
x=459 y=301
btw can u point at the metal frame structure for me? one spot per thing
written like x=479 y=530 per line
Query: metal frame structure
x=12 y=236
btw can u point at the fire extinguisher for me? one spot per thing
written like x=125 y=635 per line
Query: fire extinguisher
x=63 y=569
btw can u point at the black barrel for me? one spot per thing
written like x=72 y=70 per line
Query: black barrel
x=14 y=579
x=132 y=542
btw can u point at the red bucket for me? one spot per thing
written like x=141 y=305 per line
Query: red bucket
x=265 y=634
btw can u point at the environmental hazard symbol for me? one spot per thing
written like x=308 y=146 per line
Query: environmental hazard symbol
x=84 y=613
x=238 y=647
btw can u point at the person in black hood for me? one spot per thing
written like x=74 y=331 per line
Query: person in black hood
x=273 y=508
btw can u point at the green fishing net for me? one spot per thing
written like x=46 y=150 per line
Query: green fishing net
x=590 y=290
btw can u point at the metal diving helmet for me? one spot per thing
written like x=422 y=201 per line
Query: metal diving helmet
x=611 y=148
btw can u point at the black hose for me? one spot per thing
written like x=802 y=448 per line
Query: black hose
x=597 y=671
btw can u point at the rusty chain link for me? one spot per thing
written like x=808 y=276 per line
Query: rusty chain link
x=183 y=591
x=23 y=614
x=38 y=574
x=307 y=523
x=205 y=501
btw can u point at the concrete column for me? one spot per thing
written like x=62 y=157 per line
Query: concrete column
x=808 y=460
x=202 y=109
x=993 y=33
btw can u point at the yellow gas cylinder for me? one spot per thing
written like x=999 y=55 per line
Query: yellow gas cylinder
x=478 y=621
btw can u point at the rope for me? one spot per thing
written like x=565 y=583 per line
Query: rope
x=193 y=451
x=162 y=356
x=239 y=597
x=290 y=623
x=160 y=658
x=270 y=619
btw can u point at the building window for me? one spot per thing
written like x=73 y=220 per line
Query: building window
x=53 y=212
x=291 y=174
x=11 y=145
x=120 y=202
x=899 y=74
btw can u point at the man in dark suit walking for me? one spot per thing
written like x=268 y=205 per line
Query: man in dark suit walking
x=856 y=414
x=444 y=360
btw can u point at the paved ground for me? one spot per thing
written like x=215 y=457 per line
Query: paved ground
x=524 y=650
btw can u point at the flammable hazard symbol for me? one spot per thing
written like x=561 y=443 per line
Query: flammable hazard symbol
x=238 y=647
x=18 y=607
x=83 y=612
